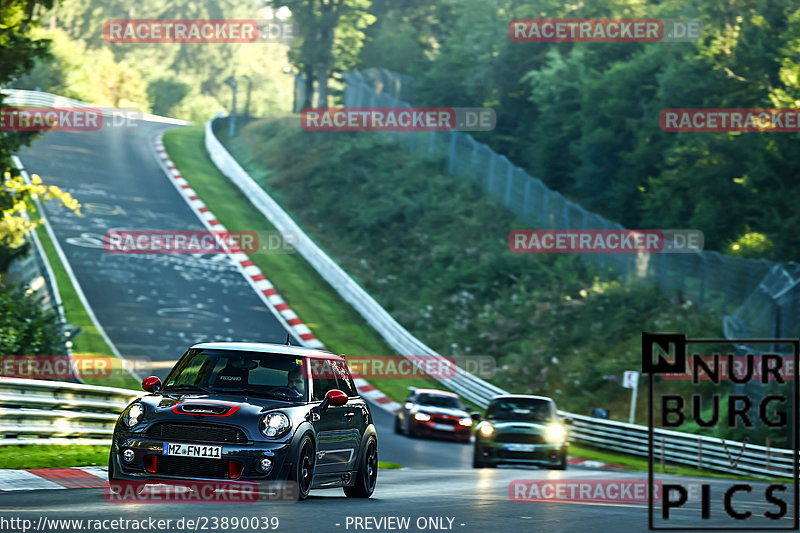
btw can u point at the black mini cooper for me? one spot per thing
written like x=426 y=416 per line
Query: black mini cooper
x=250 y=412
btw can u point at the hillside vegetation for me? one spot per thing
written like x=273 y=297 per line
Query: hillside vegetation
x=432 y=249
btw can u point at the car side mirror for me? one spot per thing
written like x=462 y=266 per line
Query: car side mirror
x=151 y=384
x=476 y=417
x=336 y=397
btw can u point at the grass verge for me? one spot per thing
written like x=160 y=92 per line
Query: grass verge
x=53 y=455
x=333 y=320
x=88 y=342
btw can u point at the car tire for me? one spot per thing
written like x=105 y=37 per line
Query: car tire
x=397 y=427
x=112 y=472
x=562 y=463
x=478 y=463
x=302 y=471
x=410 y=431
x=367 y=476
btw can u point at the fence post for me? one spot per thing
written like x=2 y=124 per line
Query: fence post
x=451 y=158
x=509 y=177
x=527 y=197
x=490 y=181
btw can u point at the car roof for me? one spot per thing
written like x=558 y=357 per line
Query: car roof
x=436 y=392
x=264 y=347
x=521 y=397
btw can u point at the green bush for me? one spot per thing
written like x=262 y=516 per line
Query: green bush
x=24 y=328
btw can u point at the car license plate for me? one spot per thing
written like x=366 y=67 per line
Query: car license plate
x=520 y=447
x=193 y=450
x=443 y=427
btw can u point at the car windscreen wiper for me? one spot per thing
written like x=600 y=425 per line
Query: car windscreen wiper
x=276 y=395
x=187 y=387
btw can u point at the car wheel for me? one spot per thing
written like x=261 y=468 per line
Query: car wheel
x=411 y=432
x=367 y=476
x=112 y=473
x=397 y=428
x=562 y=462
x=477 y=462
x=303 y=468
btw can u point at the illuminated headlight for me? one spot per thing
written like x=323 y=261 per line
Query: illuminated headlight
x=133 y=416
x=555 y=432
x=422 y=417
x=486 y=430
x=275 y=425
x=465 y=422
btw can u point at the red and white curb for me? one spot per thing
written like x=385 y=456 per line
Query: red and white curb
x=265 y=290
x=591 y=463
x=371 y=393
x=85 y=477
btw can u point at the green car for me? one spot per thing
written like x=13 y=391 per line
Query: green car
x=520 y=429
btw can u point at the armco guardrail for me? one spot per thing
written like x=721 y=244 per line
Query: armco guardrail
x=675 y=447
x=684 y=448
x=36 y=411
x=19 y=98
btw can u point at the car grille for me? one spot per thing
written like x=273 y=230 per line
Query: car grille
x=184 y=431
x=529 y=456
x=192 y=467
x=522 y=438
x=443 y=420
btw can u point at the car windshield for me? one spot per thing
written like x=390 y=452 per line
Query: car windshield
x=435 y=400
x=528 y=409
x=273 y=375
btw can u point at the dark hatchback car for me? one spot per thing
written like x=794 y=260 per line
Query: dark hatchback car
x=434 y=413
x=250 y=412
x=521 y=429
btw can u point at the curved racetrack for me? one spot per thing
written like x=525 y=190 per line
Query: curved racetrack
x=157 y=305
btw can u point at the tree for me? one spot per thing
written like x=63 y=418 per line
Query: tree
x=330 y=36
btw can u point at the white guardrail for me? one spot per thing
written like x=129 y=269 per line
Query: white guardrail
x=21 y=98
x=34 y=411
x=674 y=447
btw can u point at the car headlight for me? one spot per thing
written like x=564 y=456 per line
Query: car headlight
x=486 y=430
x=422 y=417
x=275 y=425
x=465 y=422
x=133 y=416
x=555 y=432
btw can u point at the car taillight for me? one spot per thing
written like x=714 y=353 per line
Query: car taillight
x=151 y=463
x=234 y=469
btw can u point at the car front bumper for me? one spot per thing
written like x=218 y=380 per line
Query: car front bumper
x=433 y=429
x=489 y=451
x=237 y=462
